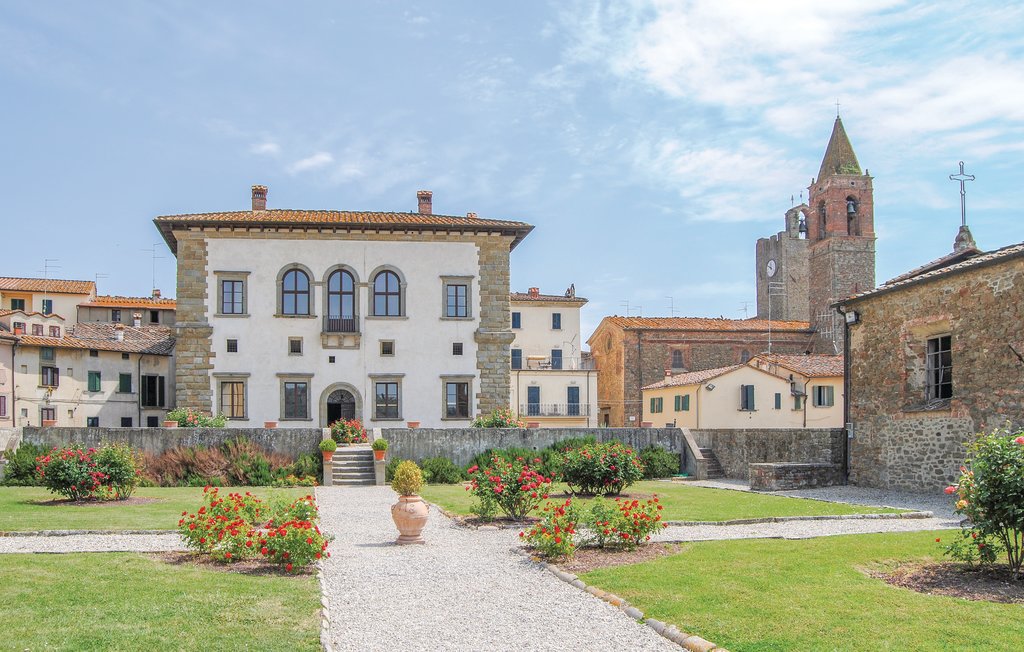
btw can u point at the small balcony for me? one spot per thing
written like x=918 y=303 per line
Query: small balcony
x=341 y=325
x=554 y=410
x=540 y=362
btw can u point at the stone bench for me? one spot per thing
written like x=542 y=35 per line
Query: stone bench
x=783 y=476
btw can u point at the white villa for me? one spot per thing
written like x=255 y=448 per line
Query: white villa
x=553 y=383
x=303 y=317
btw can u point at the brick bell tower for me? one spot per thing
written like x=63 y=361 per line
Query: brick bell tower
x=840 y=235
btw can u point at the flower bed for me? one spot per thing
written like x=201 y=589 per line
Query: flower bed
x=110 y=472
x=349 y=432
x=511 y=486
x=622 y=524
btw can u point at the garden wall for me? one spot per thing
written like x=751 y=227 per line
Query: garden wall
x=461 y=444
x=736 y=449
x=290 y=441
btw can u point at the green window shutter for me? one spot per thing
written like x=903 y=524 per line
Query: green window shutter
x=653 y=403
x=686 y=403
x=124 y=384
x=746 y=397
x=678 y=403
x=830 y=396
x=94 y=381
x=778 y=401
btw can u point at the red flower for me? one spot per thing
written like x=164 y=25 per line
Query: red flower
x=263 y=551
x=1019 y=440
x=949 y=490
x=937 y=540
x=288 y=568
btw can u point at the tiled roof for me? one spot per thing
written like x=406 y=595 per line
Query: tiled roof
x=692 y=377
x=153 y=340
x=812 y=365
x=938 y=263
x=987 y=258
x=106 y=300
x=705 y=324
x=839 y=156
x=285 y=218
x=54 y=285
x=5 y=313
x=526 y=296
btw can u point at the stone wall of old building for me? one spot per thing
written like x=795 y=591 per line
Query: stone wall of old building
x=901 y=441
x=494 y=335
x=608 y=351
x=737 y=448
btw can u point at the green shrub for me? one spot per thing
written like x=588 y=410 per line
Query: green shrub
x=122 y=466
x=513 y=486
x=659 y=463
x=392 y=466
x=70 y=472
x=555 y=535
x=601 y=468
x=500 y=418
x=21 y=466
x=189 y=418
x=379 y=444
x=408 y=479
x=566 y=445
x=328 y=446
x=440 y=470
x=549 y=463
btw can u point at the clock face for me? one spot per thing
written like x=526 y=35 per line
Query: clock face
x=771 y=268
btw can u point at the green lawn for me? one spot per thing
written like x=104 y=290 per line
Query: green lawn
x=686 y=503
x=23 y=508
x=758 y=595
x=122 y=601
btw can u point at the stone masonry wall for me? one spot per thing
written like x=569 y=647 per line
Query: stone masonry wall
x=192 y=331
x=787 y=476
x=736 y=449
x=495 y=335
x=898 y=440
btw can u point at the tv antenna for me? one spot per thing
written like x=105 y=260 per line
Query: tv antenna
x=671 y=306
x=153 y=251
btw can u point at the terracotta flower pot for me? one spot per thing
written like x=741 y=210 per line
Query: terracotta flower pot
x=533 y=424
x=413 y=424
x=410 y=516
x=270 y=425
x=378 y=455
x=327 y=455
x=49 y=423
x=170 y=424
x=646 y=424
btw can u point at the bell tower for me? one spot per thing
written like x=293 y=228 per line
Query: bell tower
x=840 y=236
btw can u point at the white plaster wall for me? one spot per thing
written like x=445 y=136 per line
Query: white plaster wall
x=7 y=382
x=553 y=389
x=65 y=305
x=423 y=338
x=536 y=337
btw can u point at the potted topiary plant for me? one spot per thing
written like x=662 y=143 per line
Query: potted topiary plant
x=379 y=446
x=410 y=512
x=327 y=447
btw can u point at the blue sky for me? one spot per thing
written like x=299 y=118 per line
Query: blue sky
x=650 y=142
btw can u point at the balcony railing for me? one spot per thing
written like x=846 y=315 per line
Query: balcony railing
x=341 y=324
x=554 y=410
x=536 y=362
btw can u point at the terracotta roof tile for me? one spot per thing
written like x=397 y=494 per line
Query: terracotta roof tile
x=54 y=285
x=692 y=377
x=339 y=219
x=526 y=296
x=811 y=365
x=706 y=324
x=5 y=313
x=153 y=340
x=106 y=300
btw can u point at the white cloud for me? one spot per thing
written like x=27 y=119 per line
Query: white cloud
x=314 y=162
x=268 y=148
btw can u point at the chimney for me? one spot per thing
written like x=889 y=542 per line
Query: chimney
x=471 y=216
x=156 y=293
x=119 y=332
x=259 y=198
x=668 y=373
x=425 y=198
x=136 y=319
x=534 y=292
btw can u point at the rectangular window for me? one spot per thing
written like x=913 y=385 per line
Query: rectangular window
x=92 y=422
x=533 y=401
x=3 y=406
x=456 y=348
x=93 y=353
x=778 y=400
x=294 y=346
x=47 y=306
x=798 y=402
x=54 y=331
x=17 y=304
x=556 y=321
x=824 y=396
x=517 y=358
x=657 y=405
x=94 y=381
x=517 y=320
x=46 y=353
x=387 y=347
x=126 y=356
x=154 y=316
x=682 y=403
x=456 y=400
x=153 y=391
x=49 y=377
x=152 y=422
x=556 y=358
x=572 y=399
x=746 y=397
x=232 y=346
x=48 y=414
x=456 y=300
x=37 y=329
x=232 y=297
x=19 y=327
x=296 y=402
x=232 y=399
x=115 y=315
x=124 y=383
x=939 y=369
x=126 y=422
x=686 y=403
x=386 y=395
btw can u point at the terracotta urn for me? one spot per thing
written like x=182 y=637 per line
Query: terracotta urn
x=413 y=424
x=379 y=455
x=410 y=516
x=270 y=425
x=170 y=424
x=328 y=455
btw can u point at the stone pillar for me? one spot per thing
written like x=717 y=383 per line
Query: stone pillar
x=192 y=347
x=495 y=335
x=328 y=464
x=378 y=472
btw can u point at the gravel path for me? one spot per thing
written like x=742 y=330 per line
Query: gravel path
x=92 y=543
x=800 y=529
x=463 y=590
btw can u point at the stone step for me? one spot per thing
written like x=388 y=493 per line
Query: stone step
x=352 y=466
x=353 y=474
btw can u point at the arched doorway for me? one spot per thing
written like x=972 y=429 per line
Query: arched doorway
x=339 y=401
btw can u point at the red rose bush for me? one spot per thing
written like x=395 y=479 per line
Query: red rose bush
x=512 y=486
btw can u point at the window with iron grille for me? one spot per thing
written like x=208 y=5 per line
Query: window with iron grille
x=387 y=347
x=456 y=348
x=232 y=346
x=939 y=368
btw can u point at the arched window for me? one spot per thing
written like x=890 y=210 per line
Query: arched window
x=295 y=293
x=387 y=295
x=852 y=227
x=821 y=220
x=341 y=295
x=677 y=359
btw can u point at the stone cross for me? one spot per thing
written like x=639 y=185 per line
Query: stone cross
x=961 y=177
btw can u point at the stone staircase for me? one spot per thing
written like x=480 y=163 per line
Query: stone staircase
x=352 y=465
x=715 y=470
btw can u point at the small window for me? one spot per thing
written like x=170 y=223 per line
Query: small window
x=386 y=396
x=778 y=400
x=37 y=329
x=93 y=353
x=46 y=353
x=232 y=399
x=556 y=321
x=456 y=400
x=824 y=396
x=152 y=422
x=47 y=306
x=744 y=356
x=330 y=359
x=456 y=300
x=517 y=358
x=124 y=383
x=746 y=397
x=92 y=422
x=3 y=406
x=294 y=346
x=232 y=297
x=154 y=316
x=126 y=356
x=456 y=348
x=682 y=402
x=798 y=402
x=126 y=422
x=556 y=358
x=19 y=327
x=49 y=377
x=94 y=381
x=232 y=346
x=48 y=414
x=115 y=315
x=657 y=405
x=296 y=403
x=677 y=359
x=517 y=320
x=387 y=347
x=686 y=403
x=17 y=304
x=939 y=368
x=54 y=331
